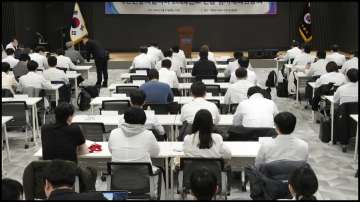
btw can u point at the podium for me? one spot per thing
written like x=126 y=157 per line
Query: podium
x=185 y=39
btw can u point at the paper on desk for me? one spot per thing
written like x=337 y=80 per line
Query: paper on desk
x=89 y=142
x=178 y=148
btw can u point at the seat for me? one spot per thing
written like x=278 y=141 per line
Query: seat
x=92 y=131
x=344 y=126
x=20 y=113
x=172 y=108
x=137 y=178
x=214 y=89
x=189 y=165
x=64 y=91
x=126 y=89
x=43 y=105
x=6 y=92
x=133 y=70
x=241 y=133
x=115 y=105
x=139 y=77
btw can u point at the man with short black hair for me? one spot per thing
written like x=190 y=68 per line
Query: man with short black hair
x=10 y=58
x=284 y=146
x=179 y=56
x=53 y=73
x=349 y=91
x=142 y=60
x=244 y=62
x=305 y=57
x=353 y=63
x=21 y=68
x=317 y=68
x=237 y=91
x=13 y=44
x=7 y=79
x=175 y=65
x=204 y=68
x=63 y=61
x=38 y=57
x=12 y=190
x=335 y=56
x=291 y=53
x=168 y=76
x=332 y=76
x=203 y=184
x=33 y=79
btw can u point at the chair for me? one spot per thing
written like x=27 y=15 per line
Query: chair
x=133 y=70
x=92 y=131
x=137 y=178
x=172 y=108
x=6 y=92
x=19 y=111
x=64 y=91
x=139 y=77
x=41 y=106
x=215 y=101
x=344 y=126
x=214 y=89
x=126 y=89
x=233 y=107
x=115 y=105
x=241 y=133
x=189 y=165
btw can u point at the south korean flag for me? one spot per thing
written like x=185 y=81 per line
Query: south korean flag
x=78 y=29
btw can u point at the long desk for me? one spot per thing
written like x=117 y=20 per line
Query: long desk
x=355 y=118
x=186 y=77
x=55 y=88
x=83 y=69
x=300 y=76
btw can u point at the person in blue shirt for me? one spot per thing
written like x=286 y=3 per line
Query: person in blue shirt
x=156 y=92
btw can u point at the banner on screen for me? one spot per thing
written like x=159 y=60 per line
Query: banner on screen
x=191 y=8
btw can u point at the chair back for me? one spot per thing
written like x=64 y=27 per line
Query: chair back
x=64 y=91
x=214 y=89
x=92 y=131
x=115 y=105
x=344 y=126
x=17 y=109
x=6 y=92
x=172 y=108
x=126 y=89
x=215 y=101
x=233 y=107
x=241 y=133
x=34 y=92
x=139 y=78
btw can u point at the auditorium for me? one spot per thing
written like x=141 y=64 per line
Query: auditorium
x=181 y=100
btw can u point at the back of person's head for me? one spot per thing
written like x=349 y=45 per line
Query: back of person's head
x=204 y=48
x=60 y=173
x=69 y=44
x=303 y=183
x=198 y=89
x=203 y=184
x=60 y=52
x=285 y=122
x=335 y=48
x=9 y=51
x=32 y=65
x=331 y=67
x=175 y=49
x=11 y=189
x=135 y=115
x=166 y=63
x=167 y=53
x=52 y=61
x=24 y=57
x=153 y=74
x=241 y=73
x=137 y=97
x=203 y=54
x=253 y=90
x=238 y=54
x=307 y=48
x=63 y=111
x=5 y=67
x=294 y=43
x=203 y=123
x=243 y=61
x=143 y=49
x=352 y=75
x=321 y=54
x=39 y=49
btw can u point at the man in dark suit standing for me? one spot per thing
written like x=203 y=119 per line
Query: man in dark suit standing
x=101 y=59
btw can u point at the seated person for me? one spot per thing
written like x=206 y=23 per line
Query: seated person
x=352 y=63
x=10 y=58
x=175 y=65
x=12 y=190
x=7 y=78
x=203 y=142
x=204 y=68
x=335 y=56
x=284 y=146
x=39 y=58
x=54 y=74
x=166 y=75
x=62 y=140
x=305 y=57
x=256 y=111
x=332 y=76
x=211 y=56
x=291 y=53
x=21 y=68
x=154 y=52
x=237 y=91
x=59 y=178
x=142 y=60
x=64 y=62
x=33 y=79
x=303 y=183
x=156 y=92
x=317 y=68
x=234 y=65
x=349 y=91
x=73 y=54
x=203 y=184
x=179 y=56
x=188 y=111
x=251 y=76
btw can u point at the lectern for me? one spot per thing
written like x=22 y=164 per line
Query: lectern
x=185 y=39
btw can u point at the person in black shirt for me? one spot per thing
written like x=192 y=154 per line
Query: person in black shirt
x=61 y=140
x=204 y=68
x=101 y=59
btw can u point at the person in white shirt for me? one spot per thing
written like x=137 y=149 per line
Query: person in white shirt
x=33 y=79
x=352 y=63
x=175 y=65
x=349 y=91
x=13 y=44
x=189 y=110
x=237 y=91
x=142 y=60
x=7 y=78
x=63 y=62
x=54 y=74
x=10 y=58
x=39 y=58
x=203 y=142
x=3 y=54
x=332 y=76
x=317 y=68
x=211 y=55
x=251 y=76
x=284 y=146
x=303 y=183
x=233 y=65
x=293 y=52
x=179 y=56
x=166 y=75
x=305 y=57
x=336 y=57
x=256 y=111
x=154 y=52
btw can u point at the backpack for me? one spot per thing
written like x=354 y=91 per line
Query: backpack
x=271 y=80
x=282 y=89
x=84 y=100
x=92 y=90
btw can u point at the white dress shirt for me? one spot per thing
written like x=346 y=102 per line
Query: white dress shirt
x=181 y=52
x=189 y=110
x=40 y=59
x=35 y=80
x=292 y=53
x=336 y=57
x=303 y=59
x=237 y=91
x=8 y=81
x=256 y=111
x=11 y=60
x=283 y=147
x=54 y=74
x=180 y=59
x=64 y=62
x=347 y=93
x=333 y=77
x=175 y=66
x=155 y=54
x=232 y=66
x=350 y=64
x=10 y=45
x=317 y=68
x=169 y=77
x=142 y=61
x=251 y=76
x=217 y=150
